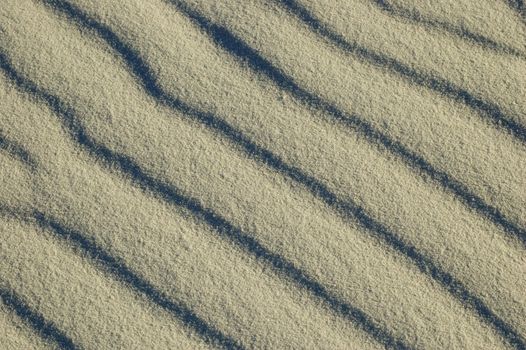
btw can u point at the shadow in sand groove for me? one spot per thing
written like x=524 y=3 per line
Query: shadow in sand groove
x=487 y=110
x=17 y=151
x=124 y=274
x=412 y=15
x=44 y=328
x=83 y=244
x=518 y=7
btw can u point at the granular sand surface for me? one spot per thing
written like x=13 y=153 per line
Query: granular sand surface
x=262 y=174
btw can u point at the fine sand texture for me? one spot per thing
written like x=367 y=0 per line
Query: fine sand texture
x=262 y=174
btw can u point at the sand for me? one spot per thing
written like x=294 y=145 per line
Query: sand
x=262 y=174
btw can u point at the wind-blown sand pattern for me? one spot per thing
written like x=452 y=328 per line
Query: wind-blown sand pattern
x=277 y=174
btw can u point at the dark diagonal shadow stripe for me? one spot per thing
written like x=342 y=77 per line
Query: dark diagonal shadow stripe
x=174 y=196
x=487 y=110
x=44 y=328
x=518 y=7
x=124 y=274
x=82 y=244
x=16 y=151
x=412 y=15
